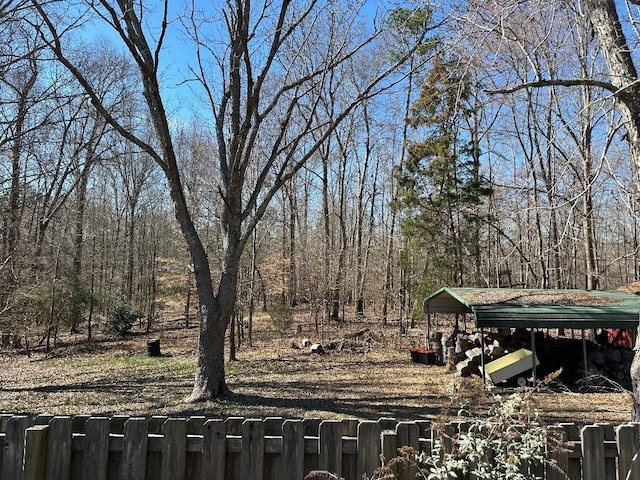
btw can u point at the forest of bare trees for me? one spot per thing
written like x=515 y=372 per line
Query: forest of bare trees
x=336 y=156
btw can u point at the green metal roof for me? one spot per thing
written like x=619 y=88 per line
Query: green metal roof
x=542 y=308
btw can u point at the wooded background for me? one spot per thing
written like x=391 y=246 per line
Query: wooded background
x=498 y=159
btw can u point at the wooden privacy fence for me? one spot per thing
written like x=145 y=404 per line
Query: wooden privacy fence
x=128 y=448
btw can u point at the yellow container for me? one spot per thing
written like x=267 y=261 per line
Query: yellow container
x=510 y=365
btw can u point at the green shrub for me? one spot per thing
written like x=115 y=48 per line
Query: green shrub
x=121 y=320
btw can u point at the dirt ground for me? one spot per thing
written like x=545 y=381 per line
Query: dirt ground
x=368 y=377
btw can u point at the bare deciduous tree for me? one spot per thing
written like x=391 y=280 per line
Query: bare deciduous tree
x=264 y=99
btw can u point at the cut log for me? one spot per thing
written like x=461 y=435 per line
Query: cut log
x=597 y=358
x=357 y=334
x=495 y=350
x=474 y=339
x=613 y=355
x=464 y=369
x=462 y=344
x=473 y=353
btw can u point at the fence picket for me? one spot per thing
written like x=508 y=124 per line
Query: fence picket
x=232 y=462
x=610 y=469
x=349 y=459
x=134 y=451
x=195 y=425
x=330 y=447
x=174 y=449
x=369 y=447
x=252 y=454
x=14 y=450
x=3 y=442
x=273 y=447
x=79 y=423
x=292 y=464
x=214 y=448
x=155 y=424
x=117 y=423
x=59 y=448
x=43 y=419
x=628 y=439
x=35 y=452
x=574 y=470
x=95 y=461
x=4 y=418
x=557 y=454
x=593 y=465
x=389 y=445
x=408 y=435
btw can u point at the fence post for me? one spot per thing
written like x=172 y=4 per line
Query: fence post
x=174 y=449
x=369 y=447
x=95 y=460
x=35 y=453
x=252 y=454
x=214 y=450
x=134 y=450
x=14 y=449
x=593 y=467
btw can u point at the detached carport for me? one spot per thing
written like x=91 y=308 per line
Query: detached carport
x=537 y=309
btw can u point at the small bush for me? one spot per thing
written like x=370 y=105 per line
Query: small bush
x=120 y=321
x=281 y=316
x=509 y=443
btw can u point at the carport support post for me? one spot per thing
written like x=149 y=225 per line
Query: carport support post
x=533 y=357
x=427 y=333
x=482 y=356
x=584 y=357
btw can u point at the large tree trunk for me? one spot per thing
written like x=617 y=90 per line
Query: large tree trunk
x=623 y=73
x=215 y=315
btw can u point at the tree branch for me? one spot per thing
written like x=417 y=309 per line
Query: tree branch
x=585 y=82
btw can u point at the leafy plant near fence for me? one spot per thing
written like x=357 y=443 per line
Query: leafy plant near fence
x=509 y=443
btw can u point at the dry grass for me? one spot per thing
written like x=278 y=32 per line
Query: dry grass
x=269 y=379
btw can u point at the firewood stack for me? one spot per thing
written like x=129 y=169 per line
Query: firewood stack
x=464 y=353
